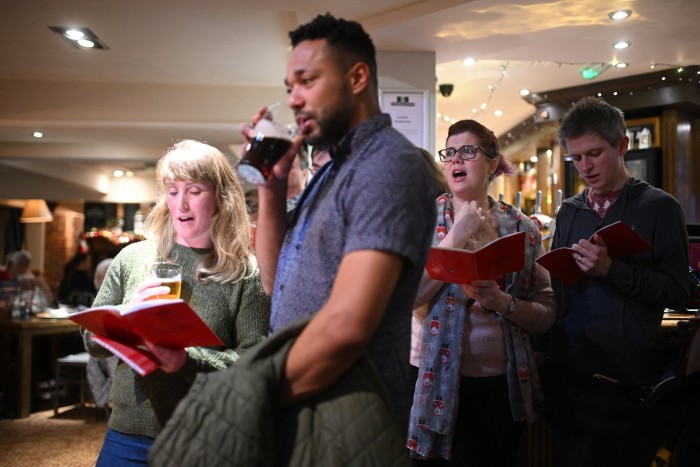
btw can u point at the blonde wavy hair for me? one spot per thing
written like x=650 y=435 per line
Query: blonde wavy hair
x=232 y=257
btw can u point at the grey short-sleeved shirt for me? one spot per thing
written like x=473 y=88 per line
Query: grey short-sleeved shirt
x=376 y=195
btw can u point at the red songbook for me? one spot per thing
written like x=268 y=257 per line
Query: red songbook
x=621 y=242
x=168 y=323
x=491 y=261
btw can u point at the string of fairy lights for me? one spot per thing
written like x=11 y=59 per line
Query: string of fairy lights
x=588 y=71
x=484 y=105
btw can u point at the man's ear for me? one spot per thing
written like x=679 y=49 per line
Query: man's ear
x=624 y=144
x=359 y=77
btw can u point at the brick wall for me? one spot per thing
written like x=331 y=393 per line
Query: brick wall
x=62 y=236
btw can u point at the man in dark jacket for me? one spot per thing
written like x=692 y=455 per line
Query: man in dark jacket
x=601 y=353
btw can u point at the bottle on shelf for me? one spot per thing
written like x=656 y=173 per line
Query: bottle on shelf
x=644 y=138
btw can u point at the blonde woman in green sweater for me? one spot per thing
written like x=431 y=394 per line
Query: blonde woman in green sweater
x=199 y=222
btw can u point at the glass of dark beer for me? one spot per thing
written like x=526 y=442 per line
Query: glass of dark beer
x=272 y=140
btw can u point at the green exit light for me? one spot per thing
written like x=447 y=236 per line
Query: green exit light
x=593 y=70
x=589 y=73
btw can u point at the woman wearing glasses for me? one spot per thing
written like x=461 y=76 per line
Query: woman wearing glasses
x=477 y=380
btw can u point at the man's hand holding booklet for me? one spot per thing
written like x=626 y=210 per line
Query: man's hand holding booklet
x=620 y=240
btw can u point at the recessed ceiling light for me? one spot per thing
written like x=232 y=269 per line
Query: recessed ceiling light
x=619 y=14
x=524 y=92
x=74 y=34
x=38 y=134
x=469 y=61
x=118 y=173
x=498 y=113
x=621 y=45
x=80 y=38
x=621 y=65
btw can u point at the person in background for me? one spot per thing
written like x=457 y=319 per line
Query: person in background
x=361 y=230
x=20 y=271
x=101 y=272
x=100 y=371
x=319 y=157
x=601 y=358
x=299 y=176
x=5 y=268
x=478 y=382
x=199 y=222
x=76 y=287
x=420 y=312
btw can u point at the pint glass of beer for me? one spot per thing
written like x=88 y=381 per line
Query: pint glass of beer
x=170 y=275
x=272 y=140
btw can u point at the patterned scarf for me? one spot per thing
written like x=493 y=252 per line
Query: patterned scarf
x=436 y=396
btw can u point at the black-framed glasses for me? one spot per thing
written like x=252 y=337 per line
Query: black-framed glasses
x=466 y=153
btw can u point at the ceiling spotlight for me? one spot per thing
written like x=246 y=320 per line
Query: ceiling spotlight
x=621 y=65
x=498 y=113
x=619 y=14
x=38 y=134
x=524 y=92
x=621 y=45
x=74 y=34
x=469 y=61
x=118 y=173
x=80 y=38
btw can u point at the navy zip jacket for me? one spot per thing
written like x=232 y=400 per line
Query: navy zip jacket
x=611 y=325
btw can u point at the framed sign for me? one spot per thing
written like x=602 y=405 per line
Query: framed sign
x=409 y=113
x=644 y=132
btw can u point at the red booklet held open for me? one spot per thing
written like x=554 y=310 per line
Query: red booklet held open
x=621 y=242
x=168 y=323
x=491 y=261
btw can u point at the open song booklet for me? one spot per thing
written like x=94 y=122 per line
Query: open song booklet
x=620 y=240
x=457 y=266
x=167 y=323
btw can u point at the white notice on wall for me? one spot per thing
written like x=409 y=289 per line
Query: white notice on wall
x=407 y=110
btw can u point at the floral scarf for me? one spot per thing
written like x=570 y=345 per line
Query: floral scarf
x=436 y=396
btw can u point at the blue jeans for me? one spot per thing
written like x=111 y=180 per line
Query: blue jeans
x=119 y=450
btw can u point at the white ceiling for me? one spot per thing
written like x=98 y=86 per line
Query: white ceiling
x=185 y=68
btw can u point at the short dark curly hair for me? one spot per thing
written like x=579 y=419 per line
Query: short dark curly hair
x=347 y=37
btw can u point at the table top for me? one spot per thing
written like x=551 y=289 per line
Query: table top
x=34 y=324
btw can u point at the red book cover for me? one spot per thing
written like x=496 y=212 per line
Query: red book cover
x=491 y=261
x=139 y=359
x=621 y=242
x=168 y=323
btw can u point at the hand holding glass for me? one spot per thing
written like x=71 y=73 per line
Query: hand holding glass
x=170 y=275
x=271 y=141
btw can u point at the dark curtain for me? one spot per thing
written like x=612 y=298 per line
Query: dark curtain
x=12 y=229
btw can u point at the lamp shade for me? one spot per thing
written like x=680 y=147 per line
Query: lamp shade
x=36 y=210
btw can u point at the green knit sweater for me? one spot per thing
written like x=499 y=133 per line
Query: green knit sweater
x=238 y=313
